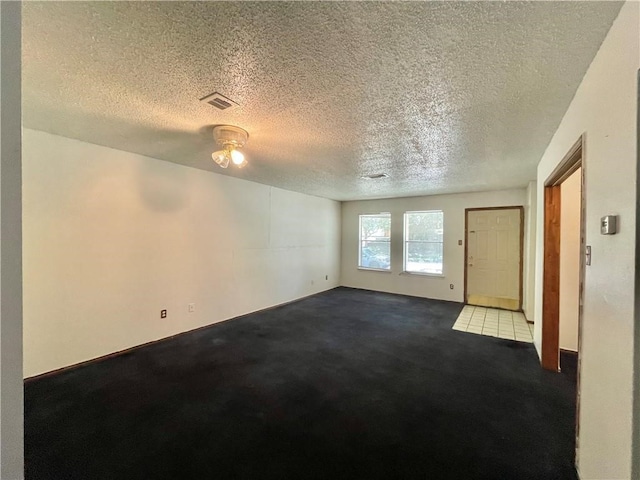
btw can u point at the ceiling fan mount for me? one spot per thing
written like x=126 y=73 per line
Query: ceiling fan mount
x=225 y=135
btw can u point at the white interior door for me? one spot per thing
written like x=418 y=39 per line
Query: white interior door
x=493 y=258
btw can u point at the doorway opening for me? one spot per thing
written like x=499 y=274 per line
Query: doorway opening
x=570 y=254
x=551 y=289
x=493 y=257
x=569 y=171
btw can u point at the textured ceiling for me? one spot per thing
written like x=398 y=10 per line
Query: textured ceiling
x=441 y=96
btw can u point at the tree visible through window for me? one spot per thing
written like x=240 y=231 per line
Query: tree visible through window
x=423 y=241
x=375 y=232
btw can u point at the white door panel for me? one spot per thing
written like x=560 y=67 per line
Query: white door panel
x=493 y=257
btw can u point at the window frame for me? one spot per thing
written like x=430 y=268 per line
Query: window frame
x=361 y=241
x=406 y=242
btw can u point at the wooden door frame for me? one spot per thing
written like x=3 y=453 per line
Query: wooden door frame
x=466 y=248
x=550 y=348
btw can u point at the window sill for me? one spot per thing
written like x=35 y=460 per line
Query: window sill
x=381 y=270
x=420 y=274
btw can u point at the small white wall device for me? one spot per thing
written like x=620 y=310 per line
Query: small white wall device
x=609 y=225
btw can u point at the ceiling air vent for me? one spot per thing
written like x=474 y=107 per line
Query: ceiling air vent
x=375 y=176
x=219 y=101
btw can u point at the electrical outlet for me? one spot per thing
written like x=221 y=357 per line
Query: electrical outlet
x=459 y=242
x=163 y=314
x=451 y=286
x=191 y=307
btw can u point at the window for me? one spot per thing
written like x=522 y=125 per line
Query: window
x=423 y=242
x=374 y=241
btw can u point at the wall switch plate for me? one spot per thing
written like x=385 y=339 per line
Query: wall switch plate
x=451 y=286
x=609 y=225
x=191 y=307
x=459 y=242
x=163 y=314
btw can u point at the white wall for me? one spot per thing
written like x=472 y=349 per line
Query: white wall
x=530 y=251
x=570 y=193
x=453 y=207
x=111 y=238
x=604 y=108
x=11 y=387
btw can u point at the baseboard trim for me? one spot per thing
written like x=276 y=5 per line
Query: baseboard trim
x=146 y=344
x=402 y=294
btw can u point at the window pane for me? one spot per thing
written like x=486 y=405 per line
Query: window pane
x=424 y=257
x=375 y=226
x=425 y=226
x=375 y=231
x=375 y=255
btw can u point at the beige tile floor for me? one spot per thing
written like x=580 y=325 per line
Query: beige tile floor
x=494 y=323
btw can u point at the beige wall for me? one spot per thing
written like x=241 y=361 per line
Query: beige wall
x=111 y=238
x=570 y=261
x=395 y=281
x=604 y=108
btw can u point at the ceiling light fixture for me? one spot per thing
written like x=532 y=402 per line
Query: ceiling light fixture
x=230 y=138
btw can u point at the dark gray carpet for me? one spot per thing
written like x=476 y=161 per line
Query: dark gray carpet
x=348 y=384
